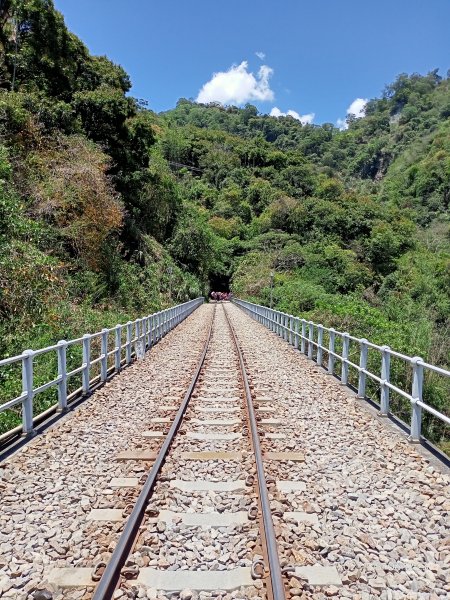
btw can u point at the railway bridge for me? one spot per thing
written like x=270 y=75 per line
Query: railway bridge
x=221 y=451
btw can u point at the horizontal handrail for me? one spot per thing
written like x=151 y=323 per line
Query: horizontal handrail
x=308 y=336
x=141 y=333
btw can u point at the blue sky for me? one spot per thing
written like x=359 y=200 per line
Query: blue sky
x=317 y=56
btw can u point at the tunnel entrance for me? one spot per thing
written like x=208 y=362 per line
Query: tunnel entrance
x=219 y=283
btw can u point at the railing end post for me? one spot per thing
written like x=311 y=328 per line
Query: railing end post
x=416 y=393
x=27 y=391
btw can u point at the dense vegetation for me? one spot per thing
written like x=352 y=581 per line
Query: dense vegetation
x=109 y=211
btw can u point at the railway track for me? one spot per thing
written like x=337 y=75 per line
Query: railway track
x=214 y=434
x=201 y=506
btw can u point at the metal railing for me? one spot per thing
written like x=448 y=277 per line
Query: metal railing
x=308 y=336
x=140 y=335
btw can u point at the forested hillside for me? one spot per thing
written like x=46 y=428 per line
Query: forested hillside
x=109 y=211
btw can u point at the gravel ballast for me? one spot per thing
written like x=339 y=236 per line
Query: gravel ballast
x=358 y=511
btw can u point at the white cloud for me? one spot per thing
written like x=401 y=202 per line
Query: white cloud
x=304 y=119
x=356 y=108
x=238 y=86
x=260 y=55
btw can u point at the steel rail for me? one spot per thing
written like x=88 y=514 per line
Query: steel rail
x=269 y=537
x=110 y=578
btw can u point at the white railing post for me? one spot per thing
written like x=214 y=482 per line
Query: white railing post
x=62 y=375
x=303 y=342
x=27 y=391
x=158 y=330
x=128 y=342
x=86 y=362
x=331 y=357
x=362 y=368
x=345 y=352
x=416 y=393
x=136 y=332
x=118 y=347
x=385 y=376
x=319 y=345
x=144 y=333
x=152 y=330
x=104 y=353
x=296 y=325
x=310 y=339
x=149 y=332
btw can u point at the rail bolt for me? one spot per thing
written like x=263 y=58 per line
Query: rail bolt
x=130 y=572
x=252 y=512
x=258 y=569
x=98 y=571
